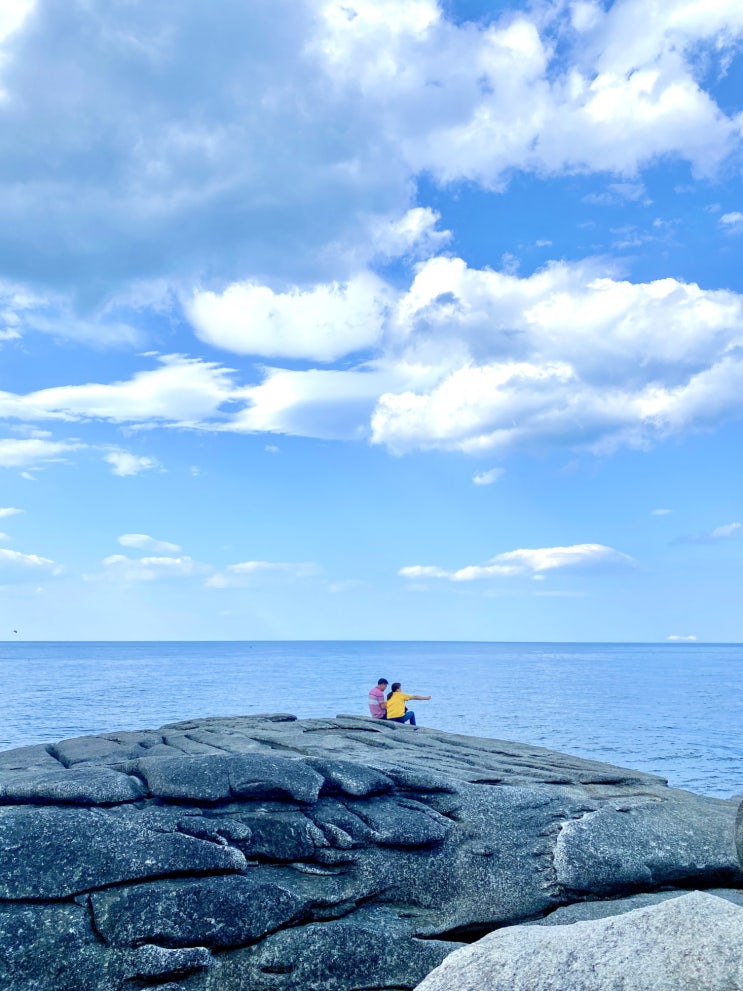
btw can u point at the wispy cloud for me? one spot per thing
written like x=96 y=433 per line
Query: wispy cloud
x=661 y=512
x=6 y=511
x=119 y=567
x=528 y=561
x=488 y=477
x=17 y=566
x=679 y=638
x=32 y=451
x=144 y=542
x=245 y=572
x=725 y=532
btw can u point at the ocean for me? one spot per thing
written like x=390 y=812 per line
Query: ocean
x=672 y=709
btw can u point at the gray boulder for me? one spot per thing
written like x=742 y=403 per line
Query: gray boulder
x=688 y=943
x=270 y=853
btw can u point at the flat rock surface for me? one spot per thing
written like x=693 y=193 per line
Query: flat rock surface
x=689 y=943
x=268 y=853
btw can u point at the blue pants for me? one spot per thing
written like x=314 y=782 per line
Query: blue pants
x=409 y=717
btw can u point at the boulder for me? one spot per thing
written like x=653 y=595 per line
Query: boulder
x=271 y=853
x=687 y=943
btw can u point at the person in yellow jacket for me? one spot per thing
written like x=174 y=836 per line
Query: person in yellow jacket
x=396 y=699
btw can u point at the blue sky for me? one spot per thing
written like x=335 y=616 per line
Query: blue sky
x=373 y=319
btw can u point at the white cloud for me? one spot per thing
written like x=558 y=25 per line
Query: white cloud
x=23 y=453
x=528 y=561
x=678 y=638
x=661 y=512
x=124 y=463
x=6 y=511
x=465 y=359
x=488 y=477
x=4 y=538
x=17 y=566
x=119 y=567
x=322 y=323
x=245 y=572
x=144 y=542
x=181 y=391
x=12 y=15
x=732 y=222
x=568 y=355
x=727 y=531
x=321 y=116
x=415 y=233
x=724 y=532
x=324 y=403
x=423 y=571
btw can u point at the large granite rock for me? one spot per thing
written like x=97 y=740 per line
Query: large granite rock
x=268 y=853
x=688 y=943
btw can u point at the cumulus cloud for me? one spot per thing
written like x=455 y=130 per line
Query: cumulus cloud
x=15 y=566
x=568 y=355
x=124 y=463
x=488 y=477
x=302 y=177
x=732 y=222
x=321 y=323
x=532 y=562
x=246 y=572
x=6 y=511
x=321 y=116
x=464 y=359
x=146 y=543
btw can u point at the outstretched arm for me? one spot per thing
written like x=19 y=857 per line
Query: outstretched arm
x=421 y=698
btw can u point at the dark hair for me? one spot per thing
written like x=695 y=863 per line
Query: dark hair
x=395 y=688
x=383 y=681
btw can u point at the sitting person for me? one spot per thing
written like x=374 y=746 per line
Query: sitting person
x=396 y=699
x=377 y=704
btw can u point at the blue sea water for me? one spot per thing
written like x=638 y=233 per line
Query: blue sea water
x=672 y=709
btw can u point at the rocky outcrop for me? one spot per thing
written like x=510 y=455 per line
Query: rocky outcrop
x=339 y=854
x=687 y=942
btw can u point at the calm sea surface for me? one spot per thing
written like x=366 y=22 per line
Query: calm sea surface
x=674 y=710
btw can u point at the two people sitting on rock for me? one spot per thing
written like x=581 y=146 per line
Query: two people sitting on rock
x=392 y=708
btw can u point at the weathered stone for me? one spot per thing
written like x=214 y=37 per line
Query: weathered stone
x=210 y=912
x=23 y=758
x=647 y=845
x=157 y=962
x=55 y=853
x=323 y=854
x=404 y=823
x=78 y=786
x=350 y=779
x=282 y=835
x=373 y=949
x=690 y=942
x=214 y=778
x=584 y=911
x=81 y=749
x=48 y=948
